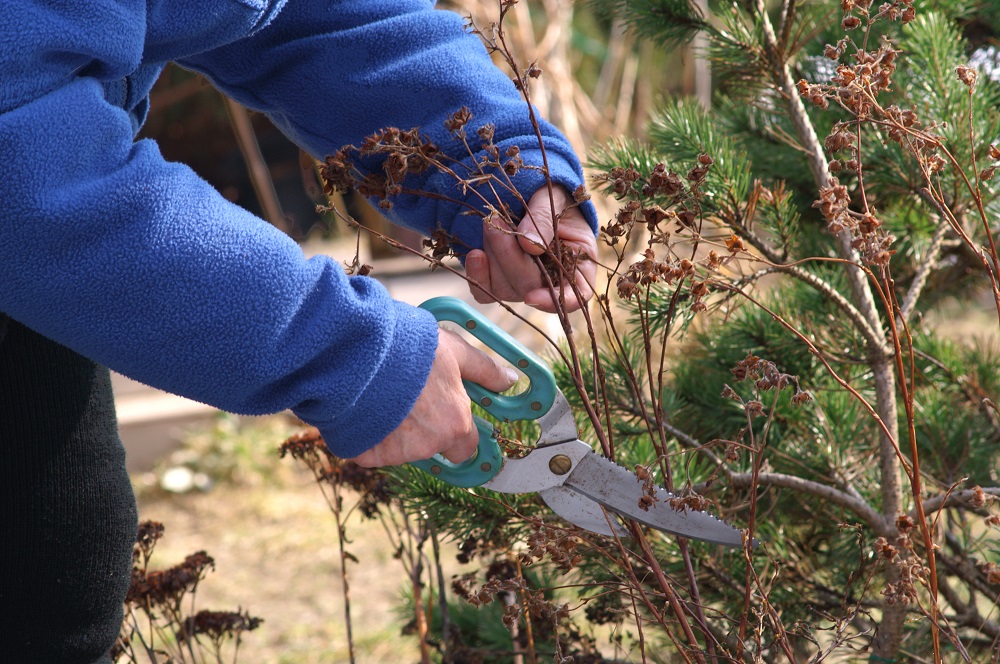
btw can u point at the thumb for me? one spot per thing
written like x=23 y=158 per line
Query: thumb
x=477 y=367
x=535 y=229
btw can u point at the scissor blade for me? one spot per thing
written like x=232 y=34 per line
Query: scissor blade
x=582 y=511
x=620 y=490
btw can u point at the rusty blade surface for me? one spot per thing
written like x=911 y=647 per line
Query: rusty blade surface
x=620 y=490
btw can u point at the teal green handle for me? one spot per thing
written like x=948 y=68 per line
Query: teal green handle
x=478 y=469
x=530 y=404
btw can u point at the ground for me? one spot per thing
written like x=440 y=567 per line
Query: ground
x=274 y=541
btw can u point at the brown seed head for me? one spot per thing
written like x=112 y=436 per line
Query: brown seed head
x=458 y=119
x=967 y=75
x=850 y=22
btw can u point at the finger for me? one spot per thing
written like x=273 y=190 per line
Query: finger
x=442 y=425
x=575 y=235
x=576 y=232
x=512 y=271
x=477 y=367
x=462 y=437
x=463 y=452
x=535 y=229
x=546 y=300
x=477 y=268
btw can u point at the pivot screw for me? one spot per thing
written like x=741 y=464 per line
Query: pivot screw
x=560 y=464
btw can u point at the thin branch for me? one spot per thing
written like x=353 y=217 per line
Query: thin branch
x=847 y=499
x=966 y=498
x=927 y=265
x=858 y=506
x=260 y=175
x=874 y=339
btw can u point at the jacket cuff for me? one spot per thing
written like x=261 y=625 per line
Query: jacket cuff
x=467 y=230
x=389 y=396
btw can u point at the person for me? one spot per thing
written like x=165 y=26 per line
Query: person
x=111 y=256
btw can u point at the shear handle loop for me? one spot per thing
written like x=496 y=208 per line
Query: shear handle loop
x=530 y=404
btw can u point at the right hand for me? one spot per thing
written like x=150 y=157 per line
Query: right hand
x=441 y=419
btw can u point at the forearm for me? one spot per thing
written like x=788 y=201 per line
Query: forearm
x=141 y=265
x=331 y=75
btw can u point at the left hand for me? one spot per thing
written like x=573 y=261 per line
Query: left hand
x=505 y=266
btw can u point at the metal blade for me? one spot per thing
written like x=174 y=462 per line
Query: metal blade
x=582 y=511
x=619 y=489
x=542 y=468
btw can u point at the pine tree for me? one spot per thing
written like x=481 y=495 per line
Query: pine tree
x=876 y=109
x=770 y=347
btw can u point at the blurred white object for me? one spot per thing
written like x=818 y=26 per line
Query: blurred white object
x=179 y=479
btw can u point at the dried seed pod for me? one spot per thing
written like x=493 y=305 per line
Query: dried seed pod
x=850 y=22
x=967 y=75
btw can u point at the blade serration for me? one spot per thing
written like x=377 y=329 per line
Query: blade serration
x=619 y=489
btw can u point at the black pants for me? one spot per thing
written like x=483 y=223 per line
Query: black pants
x=67 y=511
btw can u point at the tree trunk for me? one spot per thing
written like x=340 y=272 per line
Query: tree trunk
x=890 y=631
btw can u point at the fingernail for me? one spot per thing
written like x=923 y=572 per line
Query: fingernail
x=511 y=375
x=535 y=239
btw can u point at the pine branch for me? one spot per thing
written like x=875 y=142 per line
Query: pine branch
x=968 y=576
x=927 y=265
x=968 y=614
x=849 y=501
x=967 y=498
x=818 y=163
x=874 y=339
x=670 y=23
x=890 y=634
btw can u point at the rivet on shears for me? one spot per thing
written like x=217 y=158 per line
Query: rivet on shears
x=470 y=324
x=486 y=401
x=536 y=405
x=435 y=470
x=522 y=363
x=560 y=464
x=485 y=467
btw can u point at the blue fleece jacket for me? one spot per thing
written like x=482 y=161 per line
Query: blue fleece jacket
x=139 y=264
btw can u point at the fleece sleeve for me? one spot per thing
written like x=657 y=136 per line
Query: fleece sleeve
x=139 y=264
x=331 y=73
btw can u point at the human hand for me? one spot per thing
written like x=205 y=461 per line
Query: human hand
x=441 y=419
x=505 y=267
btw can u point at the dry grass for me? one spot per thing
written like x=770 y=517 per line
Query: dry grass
x=275 y=549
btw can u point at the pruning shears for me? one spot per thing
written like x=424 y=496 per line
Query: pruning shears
x=578 y=484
